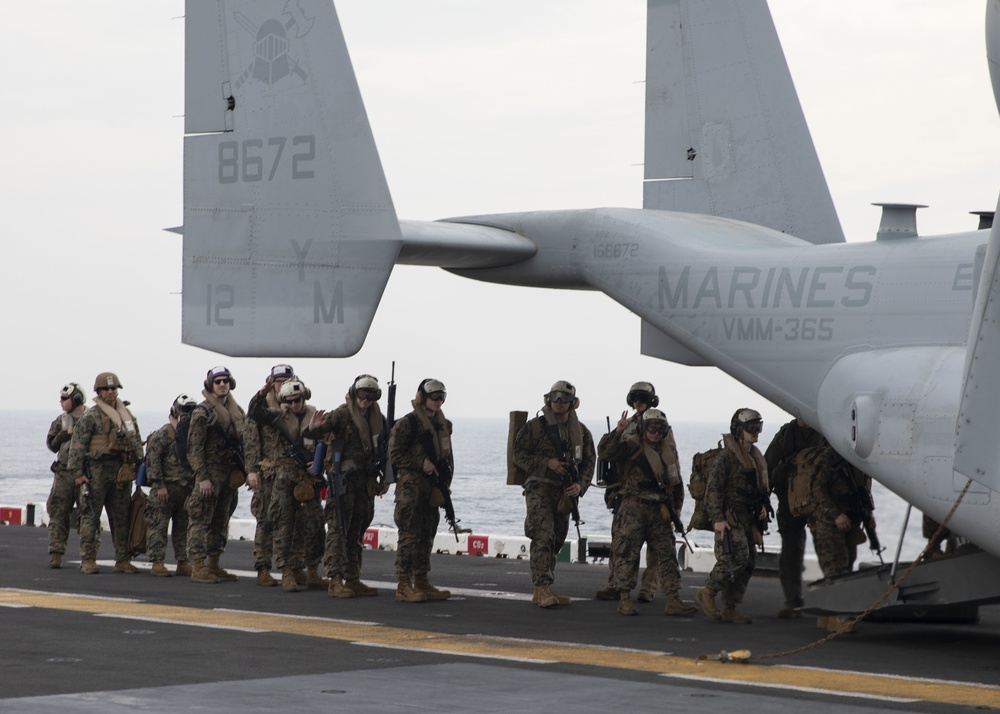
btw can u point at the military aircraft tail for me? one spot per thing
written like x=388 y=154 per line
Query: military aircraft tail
x=725 y=134
x=289 y=229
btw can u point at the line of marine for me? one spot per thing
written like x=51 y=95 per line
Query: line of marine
x=314 y=475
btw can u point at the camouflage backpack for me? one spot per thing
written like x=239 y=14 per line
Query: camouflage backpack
x=701 y=467
x=807 y=463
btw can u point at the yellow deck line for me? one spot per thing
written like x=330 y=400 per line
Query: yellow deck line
x=802 y=678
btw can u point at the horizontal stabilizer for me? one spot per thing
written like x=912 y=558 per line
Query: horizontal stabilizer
x=656 y=344
x=290 y=234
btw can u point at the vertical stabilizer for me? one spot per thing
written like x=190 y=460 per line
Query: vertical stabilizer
x=289 y=230
x=725 y=134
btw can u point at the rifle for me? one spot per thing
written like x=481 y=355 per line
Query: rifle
x=571 y=477
x=88 y=494
x=232 y=443
x=862 y=501
x=605 y=469
x=383 y=464
x=755 y=501
x=336 y=489
x=442 y=481
x=668 y=500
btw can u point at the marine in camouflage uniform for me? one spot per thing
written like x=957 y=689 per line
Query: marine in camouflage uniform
x=649 y=489
x=220 y=442
x=106 y=439
x=295 y=493
x=840 y=493
x=357 y=423
x=260 y=481
x=170 y=484
x=733 y=493
x=791 y=438
x=641 y=396
x=62 y=496
x=557 y=454
x=417 y=512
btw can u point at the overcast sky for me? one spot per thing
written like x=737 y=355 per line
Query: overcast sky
x=476 y=107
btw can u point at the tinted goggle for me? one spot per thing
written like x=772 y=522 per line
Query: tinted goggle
x=293 y=400
x=564 y=397
x=656 y=427
x=753 y=427
x=436 y=397
x=368 y=395
x=644 y=397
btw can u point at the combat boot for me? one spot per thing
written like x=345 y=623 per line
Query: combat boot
x=406 y=593
x=300 y=576
x=625 y=604
x=217 y=570
x=361 y=589
x=608 y=593
x=734 y=616
x=822 y=621
x=560 y=599
x=89 y=567
x=422 y=585
x=55 y=560
x=705 y=599
x=183 y=568
x=544 y=597
x=125 y=566
x=201 y=574
x=264 y=578
x=843 y=625
x=645 y=596
x=159 y=570
x=676 y=606
x=339 y=589
x=288 y=581
x=315 y=581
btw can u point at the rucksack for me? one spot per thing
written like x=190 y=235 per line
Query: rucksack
x=807 y=463
x=181 y=440
x=701 y=467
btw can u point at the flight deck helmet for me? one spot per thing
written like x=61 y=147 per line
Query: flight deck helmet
x=642 y=392
x=748 y=420
x=564 y=390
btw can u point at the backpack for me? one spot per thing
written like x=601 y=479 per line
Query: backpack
x=701 y=467
x=181 y=440
x=807 y=463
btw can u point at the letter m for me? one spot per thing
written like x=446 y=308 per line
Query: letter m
x=322 y=313
x=668 y=298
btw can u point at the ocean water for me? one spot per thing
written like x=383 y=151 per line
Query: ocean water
x=483 y=501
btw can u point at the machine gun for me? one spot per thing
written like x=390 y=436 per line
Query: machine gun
x=384 y=465
x=442 y=482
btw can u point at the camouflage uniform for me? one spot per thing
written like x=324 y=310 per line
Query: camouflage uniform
x=641 y=515
x=62 y=497
x=287 y=514
x=163 y=470
x=416 y=516
x=359 y=467
x=543 y=490
x=212 y=459
x=729 y=493
x=780 y=456
x=271 y=449
x=650 y=575
x=833 y=490
x=96 y=442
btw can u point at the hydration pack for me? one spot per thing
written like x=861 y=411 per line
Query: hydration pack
x=807 y=464
x=181 y=440
x=701 y=467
